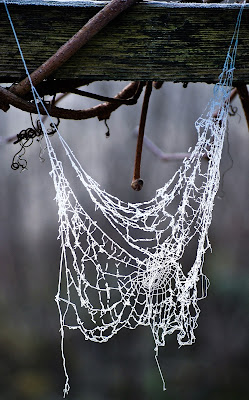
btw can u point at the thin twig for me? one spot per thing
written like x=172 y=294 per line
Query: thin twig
x=161 y=154
x=66 y=51
x=55 y=86
x=137 y=182
x=244 y=98
x=99 y=97
x=131 y=91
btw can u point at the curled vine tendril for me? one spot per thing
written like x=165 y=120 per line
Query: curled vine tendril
x=26 y=138
x=233 y=110
x=107 y=134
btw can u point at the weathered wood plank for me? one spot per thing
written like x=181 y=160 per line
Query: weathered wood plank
x=152 y=40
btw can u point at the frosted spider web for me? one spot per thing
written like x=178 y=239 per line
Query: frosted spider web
x=136 y=275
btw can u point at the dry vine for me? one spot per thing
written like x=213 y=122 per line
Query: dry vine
x=19 y=95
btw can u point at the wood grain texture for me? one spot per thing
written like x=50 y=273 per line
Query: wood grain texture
x=150 y=41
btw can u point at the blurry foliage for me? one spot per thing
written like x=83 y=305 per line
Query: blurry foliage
x=216 y=366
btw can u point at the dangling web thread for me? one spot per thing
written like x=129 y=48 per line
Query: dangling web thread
x=136 y=275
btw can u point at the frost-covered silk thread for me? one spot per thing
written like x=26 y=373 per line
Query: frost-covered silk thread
x=105 y=286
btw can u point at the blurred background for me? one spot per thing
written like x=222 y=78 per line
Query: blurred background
x=217 y=365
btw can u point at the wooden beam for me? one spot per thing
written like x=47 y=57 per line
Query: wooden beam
x=151 y=41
